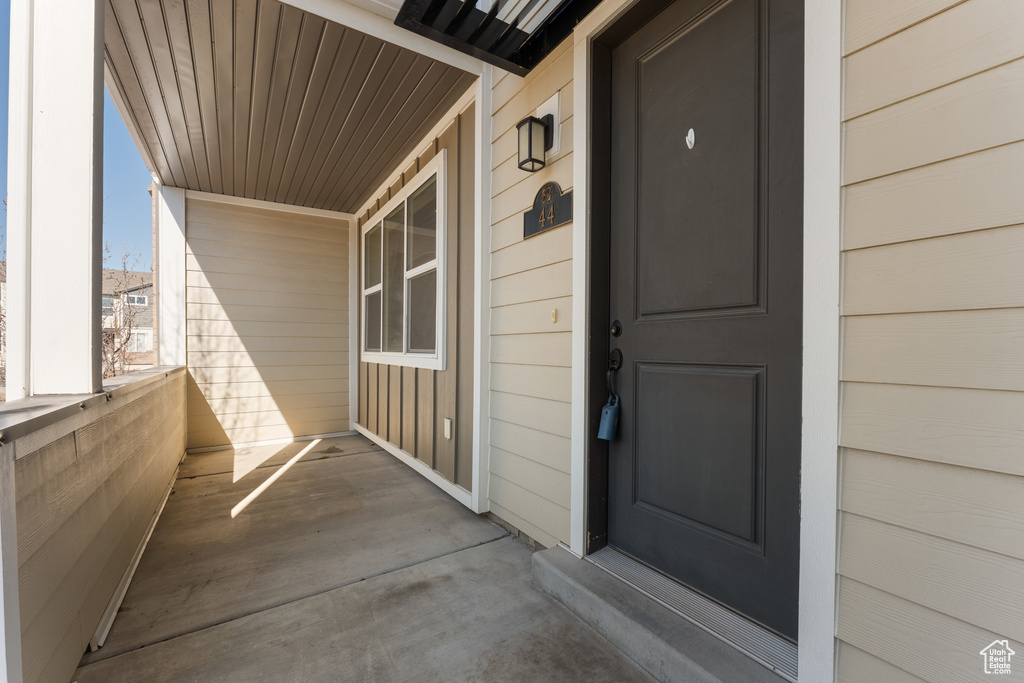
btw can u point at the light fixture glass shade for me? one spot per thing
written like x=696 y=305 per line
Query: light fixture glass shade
x=532 y=133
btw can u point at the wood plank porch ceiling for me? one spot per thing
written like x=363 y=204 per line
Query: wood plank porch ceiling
x=258 y=99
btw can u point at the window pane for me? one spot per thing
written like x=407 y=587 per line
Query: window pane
x=373 y=322
x=394 y=279
x=423 y=224
x=372 y=275
x=423 y=313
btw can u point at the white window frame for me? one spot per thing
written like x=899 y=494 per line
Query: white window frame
x=431 y=361
x=140 y=299
x=137 y=335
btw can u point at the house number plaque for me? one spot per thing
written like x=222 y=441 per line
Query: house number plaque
x=550 y=209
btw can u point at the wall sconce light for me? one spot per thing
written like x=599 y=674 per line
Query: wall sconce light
x=536 y=135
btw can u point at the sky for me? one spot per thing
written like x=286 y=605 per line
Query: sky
x=127 y=207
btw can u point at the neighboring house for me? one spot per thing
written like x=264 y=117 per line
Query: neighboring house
x=792 y=250
x=127 y=315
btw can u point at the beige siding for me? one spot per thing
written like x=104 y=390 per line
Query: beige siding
x=923 y=642
x=857 y=666
x=931 y=557
x=267 y=324
x=531 y=316
x=84 y=502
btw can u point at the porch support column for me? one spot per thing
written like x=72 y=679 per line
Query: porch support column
x=170 y=275
x=55 y=208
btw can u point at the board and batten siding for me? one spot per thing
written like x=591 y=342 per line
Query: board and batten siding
x=531 y=315
x=267 y=323
x=931 y=557
x=87 y=490
x=407 y=406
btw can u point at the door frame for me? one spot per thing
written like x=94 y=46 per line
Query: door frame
x=821 y=321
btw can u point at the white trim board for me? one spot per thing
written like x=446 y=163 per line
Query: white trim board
x=482 y=293
x=822 y=229
x=171 y=288
x=819 y=462
x=375 y=25
x=261 y=204
x=457 y=492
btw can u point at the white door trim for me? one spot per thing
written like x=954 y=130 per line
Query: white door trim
x=822 y=226
x=354 y=334
x=819 y=463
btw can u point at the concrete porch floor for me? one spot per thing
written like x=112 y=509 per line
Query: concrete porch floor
x=348 y=567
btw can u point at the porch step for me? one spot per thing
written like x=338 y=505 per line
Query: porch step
x=666 y=645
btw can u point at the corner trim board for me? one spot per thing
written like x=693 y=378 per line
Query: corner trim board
x=819 y=462
x=482 y=294
x=354 y=335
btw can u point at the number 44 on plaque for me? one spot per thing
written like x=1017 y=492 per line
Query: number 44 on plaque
x=550 y=209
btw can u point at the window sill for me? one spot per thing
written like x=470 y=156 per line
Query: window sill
x=404 y=360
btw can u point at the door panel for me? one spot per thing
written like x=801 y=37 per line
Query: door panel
x=705 y=271
x=714 y=263
x=719 y=489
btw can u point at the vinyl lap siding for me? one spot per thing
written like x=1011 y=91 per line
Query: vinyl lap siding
x=931 y=557
x=530 y=354
x=87 y=489
x=267 y=324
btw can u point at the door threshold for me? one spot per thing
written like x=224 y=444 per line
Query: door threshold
x=751 y=639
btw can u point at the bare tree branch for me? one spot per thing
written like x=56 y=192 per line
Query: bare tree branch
x=119 y=320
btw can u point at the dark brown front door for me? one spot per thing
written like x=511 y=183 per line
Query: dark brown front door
x=705 y=278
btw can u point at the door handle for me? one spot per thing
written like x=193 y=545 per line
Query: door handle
x=614 y=363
